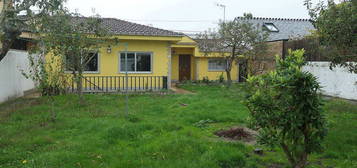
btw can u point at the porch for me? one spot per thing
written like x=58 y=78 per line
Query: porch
x=189 y=64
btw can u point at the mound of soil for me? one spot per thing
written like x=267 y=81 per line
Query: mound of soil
x=238 y=134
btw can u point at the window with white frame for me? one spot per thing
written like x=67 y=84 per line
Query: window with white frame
x=271 y=27
x=139 y=62
x=217 y=64
x=91 y=63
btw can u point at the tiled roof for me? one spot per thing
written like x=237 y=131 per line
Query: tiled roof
x=121 y=27
x=288 y=28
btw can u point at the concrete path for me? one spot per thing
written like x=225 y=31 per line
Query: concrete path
x=179 y=90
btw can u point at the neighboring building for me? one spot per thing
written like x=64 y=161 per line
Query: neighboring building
x=281 y=30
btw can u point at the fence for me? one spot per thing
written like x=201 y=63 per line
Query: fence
x=112 y=84
x=12 y=83
x=313 y=50
x=337 y=82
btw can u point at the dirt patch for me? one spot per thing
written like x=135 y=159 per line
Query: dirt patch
x=238 y=134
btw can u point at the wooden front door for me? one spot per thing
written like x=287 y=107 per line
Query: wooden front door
x=184 y=67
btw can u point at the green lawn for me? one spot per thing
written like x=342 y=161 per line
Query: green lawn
x=161 y=131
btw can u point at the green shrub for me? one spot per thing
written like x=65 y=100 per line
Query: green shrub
x=286 y=108
x=221 y=78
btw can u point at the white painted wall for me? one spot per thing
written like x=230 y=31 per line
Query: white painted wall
x=12 y=82
x=337 y=82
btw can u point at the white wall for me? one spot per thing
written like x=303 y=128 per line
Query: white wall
x=12 y=82
x=337 y=82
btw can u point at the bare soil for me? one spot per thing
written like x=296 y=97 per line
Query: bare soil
x=238 y=134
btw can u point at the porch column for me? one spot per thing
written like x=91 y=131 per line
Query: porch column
x=197 y=64
x=169 y=65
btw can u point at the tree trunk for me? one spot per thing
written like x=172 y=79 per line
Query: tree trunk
x=301 y=163
x=80 y=88
x=295 y=162
x=229 y=78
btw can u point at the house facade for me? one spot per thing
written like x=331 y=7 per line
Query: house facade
x=154 y=56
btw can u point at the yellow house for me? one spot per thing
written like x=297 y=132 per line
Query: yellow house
x=155 y=59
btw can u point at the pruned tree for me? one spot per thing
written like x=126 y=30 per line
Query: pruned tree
x=336 y=26
x=234 y=40
x=70 y=39
x=15 y=16
x=286 y=108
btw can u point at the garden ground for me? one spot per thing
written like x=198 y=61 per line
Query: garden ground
x=160 y=131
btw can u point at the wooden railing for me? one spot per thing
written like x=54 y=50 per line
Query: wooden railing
x=107 y=84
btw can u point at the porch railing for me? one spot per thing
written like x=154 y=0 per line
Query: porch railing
x=107 y=84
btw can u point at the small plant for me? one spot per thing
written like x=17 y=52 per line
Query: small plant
x=285 y=107
x=221 y=78
x=205 y=80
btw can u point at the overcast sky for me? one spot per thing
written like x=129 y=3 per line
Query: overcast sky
x=187 y=16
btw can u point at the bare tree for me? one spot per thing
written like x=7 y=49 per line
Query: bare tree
x=234 y=40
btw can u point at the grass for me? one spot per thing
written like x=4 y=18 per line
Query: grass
x=160 y=131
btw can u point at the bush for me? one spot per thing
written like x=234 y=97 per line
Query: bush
x=286 y=108
x=221 y=78
x=205 y=80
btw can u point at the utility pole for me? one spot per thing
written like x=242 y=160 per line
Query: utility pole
x=224 y=10
x=126 y=81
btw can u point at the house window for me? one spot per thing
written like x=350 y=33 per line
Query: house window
x=271 y=27
x=90 y=65
x=217 y=64
x=137 y=62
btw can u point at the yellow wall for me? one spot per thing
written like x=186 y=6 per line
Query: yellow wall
x=109 y=63
x=199 y=65
x=202 y=69
x=175 y=62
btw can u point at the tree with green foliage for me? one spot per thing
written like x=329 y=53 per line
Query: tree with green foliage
x=286 y=107
x=336 y=25
x=238 y=37
x=70 y=40
x=15 y=17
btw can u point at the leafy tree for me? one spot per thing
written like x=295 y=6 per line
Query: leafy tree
x=69 y=39
x=238 y=38
x=285 y=107
x=15 y=16
x=337 y=29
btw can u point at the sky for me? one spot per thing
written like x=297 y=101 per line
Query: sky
x=188 y=16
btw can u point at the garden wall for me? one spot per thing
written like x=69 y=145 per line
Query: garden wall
x=337 y=82
x=12 y=83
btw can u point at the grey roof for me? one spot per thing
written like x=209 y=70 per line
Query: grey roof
x=288 y=28
x=122 y=27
